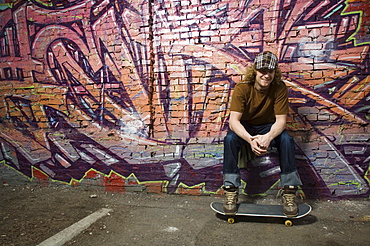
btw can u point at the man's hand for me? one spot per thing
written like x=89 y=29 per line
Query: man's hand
x=259 y=144
x=263 y=140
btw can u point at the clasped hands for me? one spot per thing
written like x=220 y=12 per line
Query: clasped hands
x=259 y=144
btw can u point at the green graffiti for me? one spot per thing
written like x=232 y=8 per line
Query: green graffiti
x=354 y=8
x=347 y=183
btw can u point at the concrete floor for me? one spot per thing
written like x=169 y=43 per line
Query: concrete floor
x=30 y=215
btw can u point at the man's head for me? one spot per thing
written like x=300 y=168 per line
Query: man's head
x=264 y=70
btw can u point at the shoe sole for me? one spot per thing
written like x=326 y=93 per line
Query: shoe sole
x=230 y=214
x=291 y=215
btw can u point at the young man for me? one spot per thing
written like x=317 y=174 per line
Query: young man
x=258 y=114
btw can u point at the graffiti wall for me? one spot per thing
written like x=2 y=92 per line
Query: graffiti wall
x=135 y=94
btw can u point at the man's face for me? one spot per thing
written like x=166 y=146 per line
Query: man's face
x=264 y=78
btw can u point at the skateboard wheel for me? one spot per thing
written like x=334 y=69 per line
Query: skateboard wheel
x=231 y=220
x=288 y=223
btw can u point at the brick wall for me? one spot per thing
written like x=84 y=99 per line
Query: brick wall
x=134 y=95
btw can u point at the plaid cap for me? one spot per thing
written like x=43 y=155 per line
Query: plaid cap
x=267 y=60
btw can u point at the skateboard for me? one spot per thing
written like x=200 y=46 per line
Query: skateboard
x=259 y=210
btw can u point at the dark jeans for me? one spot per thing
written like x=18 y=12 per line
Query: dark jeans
x=284 y=144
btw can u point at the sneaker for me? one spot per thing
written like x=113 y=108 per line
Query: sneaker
x=231 y=198
x=289 y=205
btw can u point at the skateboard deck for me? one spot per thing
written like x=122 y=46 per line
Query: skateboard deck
x=260 y=210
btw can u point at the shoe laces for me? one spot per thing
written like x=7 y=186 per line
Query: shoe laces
x=289 y=199
x=230 y=197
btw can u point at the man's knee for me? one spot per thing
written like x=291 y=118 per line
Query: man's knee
x=231 y=138
x=285 y=137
